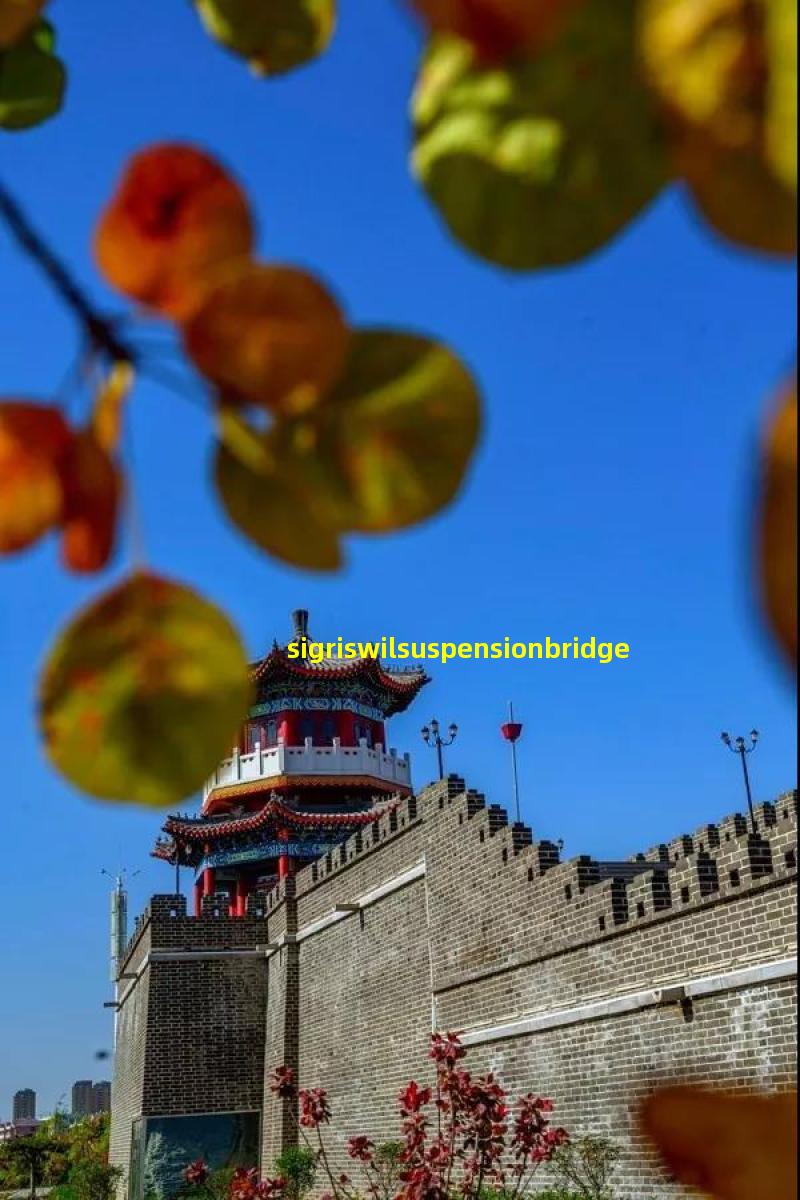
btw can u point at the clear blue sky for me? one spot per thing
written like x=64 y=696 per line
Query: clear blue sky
x=611 y=494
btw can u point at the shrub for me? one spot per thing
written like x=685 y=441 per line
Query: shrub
x=584 y=1167
x=298 y=1166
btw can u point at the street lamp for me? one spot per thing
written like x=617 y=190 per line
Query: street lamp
x=432 y=737
x=739 y=746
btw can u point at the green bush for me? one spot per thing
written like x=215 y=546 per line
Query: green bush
x=583 y=1169
x=298 y=1166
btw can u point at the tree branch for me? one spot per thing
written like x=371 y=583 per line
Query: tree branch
x=100 y=330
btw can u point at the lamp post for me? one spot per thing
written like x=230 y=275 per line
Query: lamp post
x=739 y=746
x=432 y=737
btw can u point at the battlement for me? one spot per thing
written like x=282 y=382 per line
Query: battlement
x=455 y=829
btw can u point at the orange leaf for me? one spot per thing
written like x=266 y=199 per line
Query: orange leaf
x=778 y=533
x=177 y=217
x=499 y=29
x=92 y=488
x=733 y=1147
x=270 y=335
x=33 y=439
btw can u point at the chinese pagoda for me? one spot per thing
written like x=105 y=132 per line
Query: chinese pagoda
x=311 y=767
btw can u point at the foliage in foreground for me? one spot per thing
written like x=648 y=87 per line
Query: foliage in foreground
x=460 y=1137
x=542 y=128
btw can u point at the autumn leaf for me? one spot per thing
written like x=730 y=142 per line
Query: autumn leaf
x=176 y=220
x=270 y=335
x=275 y=36
x=16 y=17
x=397 y=433
x=778 y=524
x=498 y=29
x=267 y=484
x=727 y=84
x=32 y=80
x=92 y=489
x=33 y=441
x=730 y=1146
x=143 y=693
x=540 y=163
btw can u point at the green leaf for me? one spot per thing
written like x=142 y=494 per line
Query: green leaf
x=541 y=162
x=268 y=485
x=143 y=693
x=397 y=433
x=32 y=80
x=275 y=36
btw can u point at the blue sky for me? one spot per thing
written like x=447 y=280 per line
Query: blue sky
x=611 y=494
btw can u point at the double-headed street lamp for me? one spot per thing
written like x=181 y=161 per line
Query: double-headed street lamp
x=739 y=746
x=432 y=737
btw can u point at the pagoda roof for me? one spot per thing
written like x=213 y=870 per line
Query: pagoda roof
x=185 y=833
x=398 y=685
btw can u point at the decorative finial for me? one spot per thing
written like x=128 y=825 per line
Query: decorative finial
x=300 y=619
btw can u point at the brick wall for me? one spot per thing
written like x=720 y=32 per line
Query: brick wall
x=585 y=980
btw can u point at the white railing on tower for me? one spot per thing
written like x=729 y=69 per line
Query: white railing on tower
x=372 y=761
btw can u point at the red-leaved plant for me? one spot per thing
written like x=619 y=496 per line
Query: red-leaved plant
x=460 y=1138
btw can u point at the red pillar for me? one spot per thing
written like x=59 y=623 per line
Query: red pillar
x=209 y=881
x=198 y=897
x=242 y=891
x=284 y=862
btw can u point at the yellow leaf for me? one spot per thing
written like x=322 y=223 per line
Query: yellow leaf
x=143 y=693
x=730 y=1146
x=266 y=482
x=778 y=524
x=397 y=433
x=727 y=84
x=540 y=163
x=274 y=36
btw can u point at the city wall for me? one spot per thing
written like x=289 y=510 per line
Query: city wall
x=590 y=982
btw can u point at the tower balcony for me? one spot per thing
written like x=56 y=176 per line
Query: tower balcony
x=282 y=765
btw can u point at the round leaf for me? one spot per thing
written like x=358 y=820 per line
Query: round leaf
x=540 y=163
x=34 y=439
x=270 y=335
x=267 y=485
x=398 y=431
x=32 y=82
x=143 y=693
x=275 y=36
x=176 y=220
x=778 y=535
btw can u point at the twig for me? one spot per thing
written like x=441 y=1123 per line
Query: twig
x=100 y=330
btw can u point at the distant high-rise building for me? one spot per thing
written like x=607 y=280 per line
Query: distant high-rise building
x=82 y=1095
x=25 y=1105
x=101 y=1096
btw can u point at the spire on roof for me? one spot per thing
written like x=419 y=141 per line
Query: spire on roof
x=300 y=619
